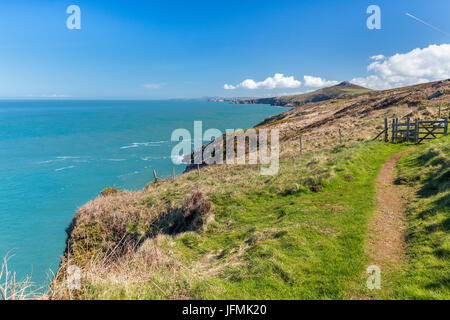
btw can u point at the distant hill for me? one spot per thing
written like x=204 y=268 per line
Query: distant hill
x=342 y=90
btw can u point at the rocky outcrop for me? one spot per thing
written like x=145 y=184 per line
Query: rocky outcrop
x=435 y=95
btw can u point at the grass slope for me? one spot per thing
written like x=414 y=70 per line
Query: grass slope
x=271 y=237
x=427 y=171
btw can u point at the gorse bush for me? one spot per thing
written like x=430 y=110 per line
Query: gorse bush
x=110 y=191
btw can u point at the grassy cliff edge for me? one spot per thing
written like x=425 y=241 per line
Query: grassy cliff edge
x=230 y=233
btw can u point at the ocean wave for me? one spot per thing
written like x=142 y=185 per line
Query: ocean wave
x=129 y=174
x=60 y=169
x=155 y=158
x=115 y=160
x=178 y=159
x=143 y=144
x=67 y=157
x=47 y=161
x=128 y=147
x=61 y=158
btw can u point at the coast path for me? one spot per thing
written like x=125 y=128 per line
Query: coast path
x=386 y=242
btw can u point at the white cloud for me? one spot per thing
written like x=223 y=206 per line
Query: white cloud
x=417 y=66
x=311 y=81
x=377 y=57
x=153 y=85
x=229 y=87
x=275 y=82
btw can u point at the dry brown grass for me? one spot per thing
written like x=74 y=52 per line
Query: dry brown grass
x=129 y=276
x=14 y=289
x=360 y=118
x=109 y=240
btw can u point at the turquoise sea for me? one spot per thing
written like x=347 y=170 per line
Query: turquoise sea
x=57 y=155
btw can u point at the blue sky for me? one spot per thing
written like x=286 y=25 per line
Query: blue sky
x=185 y=49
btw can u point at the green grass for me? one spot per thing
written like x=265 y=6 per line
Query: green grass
x=272 y=237
x=304 y=245
x=427 y=275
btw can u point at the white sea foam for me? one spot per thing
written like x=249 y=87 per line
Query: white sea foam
x=47 y=161
x=128 y=147
x=143 y=144
x=59 y=159
x=60 y=169
x=128 y=174
x=115 y=160
x=154 y=158
x=67 y=157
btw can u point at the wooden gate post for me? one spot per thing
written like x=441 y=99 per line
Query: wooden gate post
x=446 y=126
x=386 y=128
x=416 y=133
x=396 y=129
x=408 y=122
x=393 y=130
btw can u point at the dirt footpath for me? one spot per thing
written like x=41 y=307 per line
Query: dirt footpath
x=386 y=242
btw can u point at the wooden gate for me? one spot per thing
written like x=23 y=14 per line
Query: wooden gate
x=414 y=130
x=431 y=129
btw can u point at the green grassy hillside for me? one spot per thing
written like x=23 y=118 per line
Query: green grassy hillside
x=427 y=171
x=297 y=235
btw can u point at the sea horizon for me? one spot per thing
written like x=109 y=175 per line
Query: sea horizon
x=50 y=167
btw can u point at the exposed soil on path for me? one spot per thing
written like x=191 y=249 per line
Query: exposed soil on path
x=386 y=242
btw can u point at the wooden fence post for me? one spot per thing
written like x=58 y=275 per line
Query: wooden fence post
x=408 y=122
x=446 y=126
x=173 y=173
x=154 y=175
x=386 y=130
x=340 y=136
x=301 y=145
x=198 y=169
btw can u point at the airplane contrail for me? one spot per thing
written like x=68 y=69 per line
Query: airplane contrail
x=427 y=24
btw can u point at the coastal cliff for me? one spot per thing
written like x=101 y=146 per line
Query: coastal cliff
x=343 y=90
x=227 y=232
